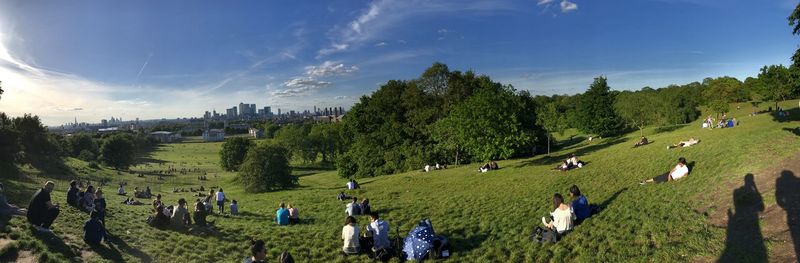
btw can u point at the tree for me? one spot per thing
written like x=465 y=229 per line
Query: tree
x=266 y=168
x=118 y=151
x=295 y=138
x=637 y=108
x=32 y=134
x=233 y=153
x=776 y=83
x=552 y=120
x=77 y=143
x=595 y=110
x=9 y=144
x=328 y=140
x=794 y=21
x=434 y=80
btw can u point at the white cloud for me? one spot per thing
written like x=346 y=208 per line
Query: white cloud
x=342 y=97
x=567 y=6
x=300 y=86
x=544 y=2
x=380 y=44
x=329 y=68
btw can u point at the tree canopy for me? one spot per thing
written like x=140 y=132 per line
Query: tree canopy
x=266 y=168
x=233 y=152
x=595 y=111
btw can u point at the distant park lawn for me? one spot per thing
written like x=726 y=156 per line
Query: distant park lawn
x=488 y=217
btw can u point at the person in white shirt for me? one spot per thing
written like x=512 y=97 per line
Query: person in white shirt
x=350 y=234
x=350 y=185
x=427 y=168
x=353 y=209
x=121 y=190
x=562 y=215
x=380 y=232
x=681 y=170
x=221 y=201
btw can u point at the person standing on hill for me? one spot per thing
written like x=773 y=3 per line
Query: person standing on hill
x=282 y=215
x=221 y=201
x=41 y=211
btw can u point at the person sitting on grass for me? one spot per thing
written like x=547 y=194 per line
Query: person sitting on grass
x=41 y=211
x=642 y=141
x=690 y=142
x=564 y=166
x=200 y=214
x=121 y=190
x=679 y=171
x=350 y=185
x=100 y=205
x=159 y=219
x=147 y=192
x=493 y=166
x=93 y=230
x=574 y=162
x=285 y=257
x=731 y=123
x=484 y=168
x=234 y=208
x=7 y=209
x=379 y=229
x=350 y=234
x=294 y=217
x=342 y=197
x=157 y=202
x=258 y=252
x=179 y=215
x=88 y=199
x=282 y=215
x=580 y=205
x=73 y=193
x=562 y=216
x=353 y=209
x=365 y=208
x=207 y=202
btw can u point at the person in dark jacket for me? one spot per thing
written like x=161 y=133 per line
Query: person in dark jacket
x=93 y=231
x=72 y=194
x=41 y=211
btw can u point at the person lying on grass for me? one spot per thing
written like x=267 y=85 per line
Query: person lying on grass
x=580 y=205
x=93 y=231
x=7 y=209
x=642 y=141
x=679 y=171
x=690 y=142
x=258 y=252
x=282 y=215
x=342 y=197
x=41 y=211
x=350 y=234
x=562 y=216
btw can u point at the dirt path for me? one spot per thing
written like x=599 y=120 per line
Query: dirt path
x=756 y=231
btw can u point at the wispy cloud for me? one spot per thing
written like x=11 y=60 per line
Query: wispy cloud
x=380 y=44
x=567 y=6
x=300 y=86
x=329 y=68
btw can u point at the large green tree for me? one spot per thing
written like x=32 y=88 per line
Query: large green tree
x=552 y=120
x=720 y=92
x=266 y=168
x=637 y=109
x=80 y=142
x=595 y=110
x=233 y=152
x=776 y=83
x=118 y=151
x=32 y=135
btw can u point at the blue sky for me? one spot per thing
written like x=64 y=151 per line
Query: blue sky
x=151 y=59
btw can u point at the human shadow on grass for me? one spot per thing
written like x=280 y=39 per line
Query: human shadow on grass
x=795 y=130
x=112 y=253
x=787 y=195
x=464 y=245
x=579 y=152
x=247 y=214
x=54 y=243
x=744 y=240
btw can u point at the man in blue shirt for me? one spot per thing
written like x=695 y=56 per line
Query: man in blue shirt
x=282 y=215
x=579 y=204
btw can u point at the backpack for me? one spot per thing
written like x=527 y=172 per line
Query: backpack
x=543 y=235
x=441 y=248
x=285 y=257
x=384 y=254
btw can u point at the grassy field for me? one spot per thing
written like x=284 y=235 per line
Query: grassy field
x=487 y=217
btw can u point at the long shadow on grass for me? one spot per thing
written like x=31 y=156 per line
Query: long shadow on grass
x=611 y=199
x=794 y=115
x=744 y=239
x=120 y=244
x=464 y=245
x=54 y=243
x=579 y=152
x=788 y=197
x=795 y=130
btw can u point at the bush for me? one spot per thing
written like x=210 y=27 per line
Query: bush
x=118 y=151
x=265 y=168
x=86 y=155
x=233 y=153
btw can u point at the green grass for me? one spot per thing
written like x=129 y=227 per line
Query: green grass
x=487 y=217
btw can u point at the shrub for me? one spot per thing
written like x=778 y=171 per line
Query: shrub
x=86 y=155
x=265 y=168
x=233 y=153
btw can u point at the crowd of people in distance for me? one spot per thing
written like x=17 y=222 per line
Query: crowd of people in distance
x=437 y=166
x=490 y=166
x=687 y=143
x=570 y=163
x=723 y=122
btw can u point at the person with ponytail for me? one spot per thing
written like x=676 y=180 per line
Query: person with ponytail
x=258 y=252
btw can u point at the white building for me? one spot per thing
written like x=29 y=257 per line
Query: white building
x=214 y=135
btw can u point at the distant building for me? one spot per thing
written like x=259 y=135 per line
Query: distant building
x=231 y=113
x=214 y=135
x=165 y=136
x=256 y=133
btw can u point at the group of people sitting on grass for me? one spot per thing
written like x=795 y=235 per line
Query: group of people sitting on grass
x=88 y=200
x=258 y=253
x=570 y=163
x=490 y=166
x=146 y=194
x=437 y=166
x=352 y=184
x=565 y=216
x=375 y=238
x=687 y=143
x=723 y=122
x=355 y=208
x=287 y=215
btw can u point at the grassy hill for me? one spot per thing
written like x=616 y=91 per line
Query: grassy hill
x=488 y=217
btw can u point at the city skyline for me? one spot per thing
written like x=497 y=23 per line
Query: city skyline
x=153 y=60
